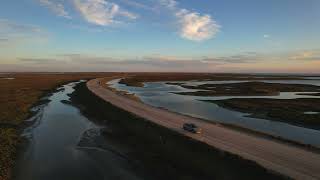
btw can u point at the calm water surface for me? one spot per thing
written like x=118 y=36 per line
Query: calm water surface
x=159 y=94
x=54 y=153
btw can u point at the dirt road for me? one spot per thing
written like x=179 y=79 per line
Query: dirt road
x=289 y=160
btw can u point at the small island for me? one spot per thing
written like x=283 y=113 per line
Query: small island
x=292 y=111
x=254 y=88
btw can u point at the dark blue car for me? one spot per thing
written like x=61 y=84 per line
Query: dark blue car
x=191 y=128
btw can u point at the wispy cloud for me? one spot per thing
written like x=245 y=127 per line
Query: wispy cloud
x=154 y=62
x=171 y=4
x=102 y=12
x=137 y=4
x=56 y=7
x=83 y=62
x=10 y=28
x=266 y=36
x=306 y=55
x=242 y=62
x=4 y=40
x=235 y=59
x=39 y=60
x=14 y=33
x=193 y=25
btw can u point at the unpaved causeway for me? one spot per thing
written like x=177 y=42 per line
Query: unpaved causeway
x=283 y=158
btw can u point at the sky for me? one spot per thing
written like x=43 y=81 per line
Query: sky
x=247 y=36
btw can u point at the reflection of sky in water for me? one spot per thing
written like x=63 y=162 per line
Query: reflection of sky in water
x=159 y=94
x=53 y=152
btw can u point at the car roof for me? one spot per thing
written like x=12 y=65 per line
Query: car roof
x=190 y=124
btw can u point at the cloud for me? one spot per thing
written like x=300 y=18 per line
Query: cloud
x=242 y=58
x=197 y=27
x=242 y=62
x=193 y=25
x=102 y=12
x=171 y=4
x=83 y=62
x=39 y=60
x=56 y=7
x=14 y=33
x=266 y=36
x=8 y=27
x=4 y=40
x=307 y=55
x=137 y=5
x=155 y=59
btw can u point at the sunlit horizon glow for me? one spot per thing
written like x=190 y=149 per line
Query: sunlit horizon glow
x=267 y=36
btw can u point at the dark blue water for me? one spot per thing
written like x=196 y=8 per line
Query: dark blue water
x=54 y=152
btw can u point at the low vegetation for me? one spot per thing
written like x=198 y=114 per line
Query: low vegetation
x=165 y=153
x=18 y=93
x=293 y=111
x=252 y=88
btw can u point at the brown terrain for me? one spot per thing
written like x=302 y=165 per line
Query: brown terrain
x=21 y=91
x=283 y=158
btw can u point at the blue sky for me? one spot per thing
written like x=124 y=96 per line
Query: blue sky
x=160 y=35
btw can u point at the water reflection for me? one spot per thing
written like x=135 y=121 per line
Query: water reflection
x=54 y=152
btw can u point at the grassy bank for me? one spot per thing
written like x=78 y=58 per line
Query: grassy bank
x=292 y=111
x=253 y=88
x=18 y=93
x=166 y=154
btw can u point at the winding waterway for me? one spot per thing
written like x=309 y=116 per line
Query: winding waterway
x=159 y=94
x=54 y=151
